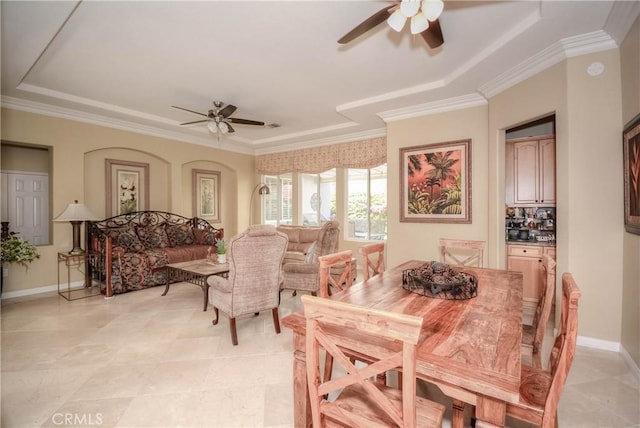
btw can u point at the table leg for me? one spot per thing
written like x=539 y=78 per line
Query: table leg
x=457 y=418
x=490 y=412
x=205 y=288
x=166 y=289
x=301 y=405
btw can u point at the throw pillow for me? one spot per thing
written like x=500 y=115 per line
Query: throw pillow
x=126 y=238
x=310 y=257
x=205 y=237
x=153 y=236
x=179 y=235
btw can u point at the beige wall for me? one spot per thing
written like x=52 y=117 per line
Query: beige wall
x=78 y=172
x=419 y=240
x=630 y=72
x=24 y=158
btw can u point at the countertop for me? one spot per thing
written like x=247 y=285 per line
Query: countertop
x=529 y=242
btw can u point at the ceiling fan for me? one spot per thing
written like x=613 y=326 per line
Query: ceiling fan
x=423 y=16
x=218 y=118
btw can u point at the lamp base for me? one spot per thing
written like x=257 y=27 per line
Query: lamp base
x=76 y=251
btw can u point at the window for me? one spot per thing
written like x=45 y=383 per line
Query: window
x=318 y=193
x=277 y=205
x=367 y=203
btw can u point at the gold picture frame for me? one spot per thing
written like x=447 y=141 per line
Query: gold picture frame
x=127 y=187
x=206 y=195
x=631 y=156
x=435 y=183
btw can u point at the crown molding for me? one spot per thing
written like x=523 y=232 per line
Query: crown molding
x=621 y=18
x=99 y=120
x=344 y=138
x=440 y=106
x=571 y=46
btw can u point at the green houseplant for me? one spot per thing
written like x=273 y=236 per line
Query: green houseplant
x=221 y=246
x=16 y=250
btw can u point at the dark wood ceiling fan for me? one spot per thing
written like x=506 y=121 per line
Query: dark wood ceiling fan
x=218 y=118
x=432 y=35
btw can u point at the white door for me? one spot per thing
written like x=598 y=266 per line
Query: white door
x=26 y=205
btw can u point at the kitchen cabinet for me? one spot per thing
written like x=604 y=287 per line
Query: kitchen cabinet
x=531 y=171
x=528 y=260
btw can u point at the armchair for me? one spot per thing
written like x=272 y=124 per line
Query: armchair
x=253 y=285
x=305 y=276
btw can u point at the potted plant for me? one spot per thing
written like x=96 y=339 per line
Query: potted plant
x=16 y=250
x=222 y=250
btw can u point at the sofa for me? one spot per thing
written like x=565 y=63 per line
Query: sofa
x=301 y=267
x=132 y=250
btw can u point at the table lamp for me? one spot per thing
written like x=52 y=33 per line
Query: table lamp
x=76 y=213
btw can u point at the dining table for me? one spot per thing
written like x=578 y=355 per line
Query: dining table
x=468 y=348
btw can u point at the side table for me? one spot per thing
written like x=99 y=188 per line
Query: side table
x=76 y=261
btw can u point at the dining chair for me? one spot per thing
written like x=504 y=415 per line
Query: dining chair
x=533 y=335
x=372 y=265
x=361 y=402
x=339 y=282
x=462 y=252
x=253 y=283
x=540 y=389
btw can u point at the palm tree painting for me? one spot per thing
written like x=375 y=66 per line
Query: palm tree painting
x=436 y=182
x=631 y=138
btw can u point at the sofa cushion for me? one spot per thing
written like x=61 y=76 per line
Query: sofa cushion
x=205 y=237
x=185 y=253
x=293 y=233
x=308 y=235
x=153 y=236
x=126 y=238
x=179 y=234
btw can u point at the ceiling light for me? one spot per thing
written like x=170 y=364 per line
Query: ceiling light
x=223 y=127
x=215 y=127
x=397 y=20
x=432 y=9
x=419 y=23
x=409 y=7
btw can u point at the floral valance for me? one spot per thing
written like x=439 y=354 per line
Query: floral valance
x=356 y=154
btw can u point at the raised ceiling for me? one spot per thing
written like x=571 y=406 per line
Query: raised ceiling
x=124 y=64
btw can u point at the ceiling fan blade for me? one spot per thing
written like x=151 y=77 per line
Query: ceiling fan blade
x=433 y=34
x=244 y=121
x=195 y=121
x=368 y=24
x=227 y=111
x=230 y=128
x=190 y=111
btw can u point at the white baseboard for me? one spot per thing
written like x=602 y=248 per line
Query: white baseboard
x=605 y=345
x=630 y=363
x=39 y=290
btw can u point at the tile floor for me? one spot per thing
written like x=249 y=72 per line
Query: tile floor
x=143 y=360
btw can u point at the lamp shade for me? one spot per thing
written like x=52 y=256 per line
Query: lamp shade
x=76 y=212
x=419 y=23
x=432 y=9
x=397 y=20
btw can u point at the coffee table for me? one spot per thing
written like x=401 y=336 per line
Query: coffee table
x=195 y=272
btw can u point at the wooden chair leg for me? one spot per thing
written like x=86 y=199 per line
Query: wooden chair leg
x=276 y=319
x=215 y=320
x=234 y=333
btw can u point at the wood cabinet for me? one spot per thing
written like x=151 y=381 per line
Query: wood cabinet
x=531 y=171
x=528 y=260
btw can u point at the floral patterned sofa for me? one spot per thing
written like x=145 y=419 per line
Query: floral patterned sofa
x=134 y=248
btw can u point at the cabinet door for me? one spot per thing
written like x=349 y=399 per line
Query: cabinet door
x=526 y=172
x=547 y=189
x=530 y=268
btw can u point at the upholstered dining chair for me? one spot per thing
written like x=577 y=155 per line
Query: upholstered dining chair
x=373 y=259
x=362 y=402
x=533 y=335
x=253 y=285
x=462 y=252
x=540 y=389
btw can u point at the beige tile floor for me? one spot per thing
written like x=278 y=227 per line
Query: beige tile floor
x=143 y=360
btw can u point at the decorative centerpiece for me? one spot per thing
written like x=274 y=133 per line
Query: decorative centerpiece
x=222 y=250
x=440 y=281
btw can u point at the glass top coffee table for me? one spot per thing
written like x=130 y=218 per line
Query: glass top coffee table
x=195 y=272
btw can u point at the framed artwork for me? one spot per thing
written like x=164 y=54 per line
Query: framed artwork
x=631 y=150
x=206 y=195
x=435 y=183
x=127 y=186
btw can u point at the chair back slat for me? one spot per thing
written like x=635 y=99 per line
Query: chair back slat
x=373 y=265
x=462 y=252
x=543 y=309
x=342 y=259
x=327 y=322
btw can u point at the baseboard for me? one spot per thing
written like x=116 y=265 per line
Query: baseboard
x=630 y=363
x=39 y=290
x=605 y=345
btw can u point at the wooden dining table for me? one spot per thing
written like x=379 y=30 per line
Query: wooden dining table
x=469 y=348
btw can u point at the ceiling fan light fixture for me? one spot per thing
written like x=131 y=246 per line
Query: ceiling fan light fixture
x=213 y=127
x=397 y=20
x=432 y=9
x=223 y=127
x=409 y=7
x=419 y=23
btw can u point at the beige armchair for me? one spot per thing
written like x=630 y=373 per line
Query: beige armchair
x=305 y=276
x=255 y=260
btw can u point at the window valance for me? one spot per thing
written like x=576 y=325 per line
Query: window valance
x=357 y=154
